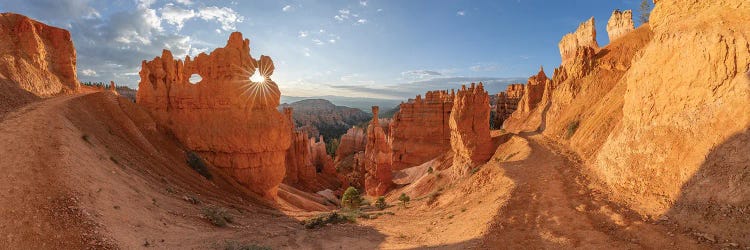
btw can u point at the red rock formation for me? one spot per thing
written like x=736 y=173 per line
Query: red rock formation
x=533 y=92
x=349 y=163
x=38 y=58
x=420 y=130
x=507 y=103
x=113 y=88
x=620 y=24
x=297 y=156
x=583 y=37
x=378 y=158
x=232 y=122
x=470 y=128
x=352 y=142
x=322 y=162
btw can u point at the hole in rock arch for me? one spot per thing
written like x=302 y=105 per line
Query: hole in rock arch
x=195 y=78
x=257 y=77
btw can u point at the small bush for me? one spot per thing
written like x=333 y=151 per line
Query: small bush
x=380 y=203
x=233 y=245
x=351 y=198
x=432 y=198
x=404 y=199
x=196 y=163
x=572 y=127
x=328 y=218
x=429 y=170
x=217 y=216
x=474 y=170
x=86 y=138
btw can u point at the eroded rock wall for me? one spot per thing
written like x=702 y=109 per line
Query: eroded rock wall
x=471 y=142
x=378 y=158
x=619 y=24
x=420 y=129
x=36 y=57
x=232 y=122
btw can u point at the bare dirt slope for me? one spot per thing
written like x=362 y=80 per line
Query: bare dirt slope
x=533 y=194
x=93 y=170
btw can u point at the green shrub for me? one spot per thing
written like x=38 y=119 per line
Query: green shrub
x=404 y=199
x=196 y=163
x=429 y=170
x=233 y=245
x=217 y=216
x=351 y=198
x=380 y=203
x=572 y=127
x=328 y=218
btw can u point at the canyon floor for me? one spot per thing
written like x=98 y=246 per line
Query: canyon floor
x=103 y=177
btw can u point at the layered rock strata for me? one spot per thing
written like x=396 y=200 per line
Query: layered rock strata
x=471 y=142
x=420 y=129
x=378 y=158
x=619 y=24
x=231 y=121
x=507 y=103
x=36 y=57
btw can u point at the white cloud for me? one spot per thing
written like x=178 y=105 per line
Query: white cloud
x=318 y=42
x=175 y=15
x=332 y=40
x=379 y=10
x=343 y=15
x=461 y=13
x=226 y=16
x=418 y=75
x=362 y=21
x=363 y=3
x=286 y=8
x=88 y=72
x=307 y=52
x=185 y=2
x=302 y=34
x=485 y=67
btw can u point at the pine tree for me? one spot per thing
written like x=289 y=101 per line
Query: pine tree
x=645 y=11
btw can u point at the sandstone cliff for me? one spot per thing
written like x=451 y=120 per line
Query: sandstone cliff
x=299 y=167
x=620 y=24
x=36 y=57
x=470 y=128
x=232 y=122
x=349 y=166
x=526 y=115
x=583 y=37
x=662 y=113
x=378 y=158
x=507 y=103
x=420 y=129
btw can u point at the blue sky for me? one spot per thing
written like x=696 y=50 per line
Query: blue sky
x=376 y=48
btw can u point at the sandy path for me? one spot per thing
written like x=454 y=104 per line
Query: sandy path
x=552 y=206
x=36 y=208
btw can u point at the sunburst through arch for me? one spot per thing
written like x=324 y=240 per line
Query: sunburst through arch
x=256 y=86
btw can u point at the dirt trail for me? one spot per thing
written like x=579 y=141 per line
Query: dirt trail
x=554 y=206
x=36 y=207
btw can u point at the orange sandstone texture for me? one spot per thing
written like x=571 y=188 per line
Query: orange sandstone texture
x=378 y=158
x=584 y=36
x=232 y=122
x=298 y=160
x=349 y=162
x=470 y=128
x=36 y=57
x=507 y=103
x=420 y=129
x=620 y=24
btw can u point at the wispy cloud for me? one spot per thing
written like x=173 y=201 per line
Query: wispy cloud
x=302 y=34
x=286 y=8
x=461 y=13
x=363 y=3
x=407 y=90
